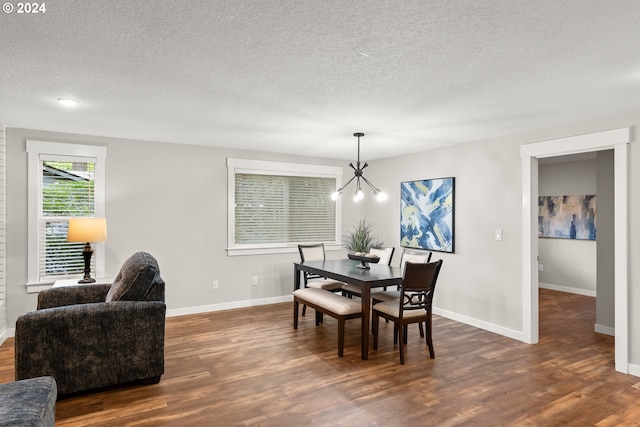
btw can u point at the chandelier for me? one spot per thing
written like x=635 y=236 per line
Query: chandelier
x=357 y=175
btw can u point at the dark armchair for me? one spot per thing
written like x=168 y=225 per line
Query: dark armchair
x=92 y=336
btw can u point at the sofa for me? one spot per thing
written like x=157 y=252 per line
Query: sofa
x=93 y=336
x=28 y=403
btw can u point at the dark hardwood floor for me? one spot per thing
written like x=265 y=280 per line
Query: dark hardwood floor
x=248 y=367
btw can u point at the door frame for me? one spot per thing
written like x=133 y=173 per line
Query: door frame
x=618 y=140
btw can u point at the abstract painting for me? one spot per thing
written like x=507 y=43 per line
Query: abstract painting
x=427 y=214
x=567 y=217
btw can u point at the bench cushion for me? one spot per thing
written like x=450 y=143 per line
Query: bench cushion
x=329 y=301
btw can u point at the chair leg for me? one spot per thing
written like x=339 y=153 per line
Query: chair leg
x=295 y=313
x=421 y=329
x=341 y=337
x=429 y=339
x=304 y=309
x=319 y=318
x=401 y=340
x=374 y=328
x=406 y=333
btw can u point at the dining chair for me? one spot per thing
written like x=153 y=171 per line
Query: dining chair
x=408 y=255
x=316 y=252
x=385 y=255
x=413 y=306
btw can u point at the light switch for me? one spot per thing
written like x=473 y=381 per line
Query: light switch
x=498 y=235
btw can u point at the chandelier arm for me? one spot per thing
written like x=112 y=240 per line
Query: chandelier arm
x=348 y=182
x=373 y=187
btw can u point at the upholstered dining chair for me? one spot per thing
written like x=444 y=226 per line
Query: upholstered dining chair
x=385 y=255
x=408 y=255
x=316 y=252
x=413 y=306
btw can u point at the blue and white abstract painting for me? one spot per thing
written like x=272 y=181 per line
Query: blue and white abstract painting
x=427 y=214
x=567 y=217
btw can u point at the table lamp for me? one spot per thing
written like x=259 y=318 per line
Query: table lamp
x=87 y=230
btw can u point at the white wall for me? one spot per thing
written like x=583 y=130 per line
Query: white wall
x=151 y=207
x=569 y=265
x=605 y=291
x=481 y=283
x=169 y=200
x=3 y=238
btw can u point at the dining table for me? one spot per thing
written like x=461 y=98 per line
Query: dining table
x=347 y=271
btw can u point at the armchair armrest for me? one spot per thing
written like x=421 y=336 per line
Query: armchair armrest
x=92 y=345
x=71 y=295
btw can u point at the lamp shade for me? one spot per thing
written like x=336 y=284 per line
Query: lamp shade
x=87 y=230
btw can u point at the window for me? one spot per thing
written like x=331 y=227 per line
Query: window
x=65 y=181
x=275 y=206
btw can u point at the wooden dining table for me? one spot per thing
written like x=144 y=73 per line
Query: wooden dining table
x=346 y=271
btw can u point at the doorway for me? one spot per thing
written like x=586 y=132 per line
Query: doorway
x=617 y=140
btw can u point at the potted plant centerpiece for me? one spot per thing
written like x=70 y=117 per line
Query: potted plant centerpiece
x=358 y=243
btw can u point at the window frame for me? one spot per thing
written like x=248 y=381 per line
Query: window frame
x=264 y=167
x=37 y=151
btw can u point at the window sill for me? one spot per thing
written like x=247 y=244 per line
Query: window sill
x=254 y=250
x=34 y=288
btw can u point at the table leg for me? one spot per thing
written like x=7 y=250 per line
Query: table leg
x=366 y=311
x=296 y=278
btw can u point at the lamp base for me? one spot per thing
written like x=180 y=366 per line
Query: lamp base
x=86 y=254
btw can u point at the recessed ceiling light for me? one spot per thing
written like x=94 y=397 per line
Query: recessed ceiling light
x=67 y=102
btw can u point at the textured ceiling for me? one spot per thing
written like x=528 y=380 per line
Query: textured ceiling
x=301 y=76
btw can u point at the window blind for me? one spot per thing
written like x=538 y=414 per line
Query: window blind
x=283 y=209
x=68 y=190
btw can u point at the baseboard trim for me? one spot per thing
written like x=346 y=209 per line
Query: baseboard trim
x=607 y=330
x=634 y=370
x=228 y=306
x=491 y=327
x=7 y=333
x=567 y=289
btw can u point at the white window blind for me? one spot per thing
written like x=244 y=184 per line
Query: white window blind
x=68 y=190
x=284 y=209
x=274 y=206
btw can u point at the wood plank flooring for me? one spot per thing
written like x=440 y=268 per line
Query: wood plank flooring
x=248 y=367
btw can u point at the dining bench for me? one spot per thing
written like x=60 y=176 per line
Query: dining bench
x=326 y=302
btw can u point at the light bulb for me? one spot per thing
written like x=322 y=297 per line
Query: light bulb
x=335 y=195
x=359 y=196
x=67 y=102
x=381 y=196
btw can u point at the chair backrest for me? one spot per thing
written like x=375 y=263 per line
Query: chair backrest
x=409 y=255
x=385 y=254
x=311 y=252
x=418 y=285
x=138 y=280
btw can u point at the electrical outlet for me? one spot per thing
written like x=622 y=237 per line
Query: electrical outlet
x=540 y=267
x=254 y=280
x=215 y=285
